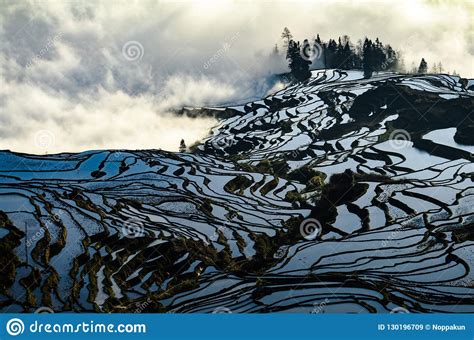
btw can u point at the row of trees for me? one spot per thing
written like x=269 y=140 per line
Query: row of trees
x=378 y=57
x=370 y=56
x=298 y=65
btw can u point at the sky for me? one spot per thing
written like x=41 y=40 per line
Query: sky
x=82 y=75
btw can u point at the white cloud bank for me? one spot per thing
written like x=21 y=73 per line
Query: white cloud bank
x=98 y=75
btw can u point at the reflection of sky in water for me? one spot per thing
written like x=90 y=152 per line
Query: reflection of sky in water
x=12 y=202
x=446 y=137
x=415 y=159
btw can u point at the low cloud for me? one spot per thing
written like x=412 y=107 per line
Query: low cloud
x=115 y=120
x=92 y=75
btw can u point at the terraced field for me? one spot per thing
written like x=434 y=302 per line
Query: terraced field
x=337 y=195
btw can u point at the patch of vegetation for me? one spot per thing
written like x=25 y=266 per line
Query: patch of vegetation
x=238 y=184
x=206 y=206
x=305 y=174
x=316 y=182
x=8 y=259
x=269 y=186
x=276 y=167
x=98 y=174
x=30 y=283
x=286 y=126
x=50 y=287
x=295 y=198
x=342 y=188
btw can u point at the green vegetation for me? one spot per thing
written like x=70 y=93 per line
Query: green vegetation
x=305 y=174
x=238 y=184
x=294 y=197
x=276 y=167
x=8 y=259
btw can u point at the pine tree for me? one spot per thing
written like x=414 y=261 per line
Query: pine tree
x=378 y=57
x=286 y=36
x=359 y=54
x=367 y=62
x=348 y=56
x=182 y=146
x=341 y=53
x=339 y=58
x=299 y=67
x=331 y=51
x=319 y=44
x=423 y=68
x=440 y=67
x=275 y=50
x=391 y=58
x=318 y=40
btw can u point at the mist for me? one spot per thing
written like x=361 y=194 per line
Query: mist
x=107 y=75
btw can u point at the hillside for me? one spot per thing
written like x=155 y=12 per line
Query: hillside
x=349 y=193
